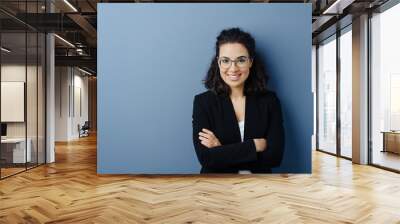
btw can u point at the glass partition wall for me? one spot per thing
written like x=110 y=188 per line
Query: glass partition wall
x=22 y=88
x=326 y=60
x=385 y=89
x=334 y=94
x=345 y=62
x=334 y=90
x=13 y=88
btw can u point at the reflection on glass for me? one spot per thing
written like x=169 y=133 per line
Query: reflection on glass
x=386 y=88
x=14 y=153
x=41 y=98
x=31 y=101
x=327 y=96
x=22 y=91
x=346 y=94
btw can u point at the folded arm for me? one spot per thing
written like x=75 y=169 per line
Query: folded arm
x=275 y=135
x=219 y=156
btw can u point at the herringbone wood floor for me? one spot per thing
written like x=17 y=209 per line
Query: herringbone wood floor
x=69 y=191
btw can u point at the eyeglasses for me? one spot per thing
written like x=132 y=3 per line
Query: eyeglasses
x=241 y=62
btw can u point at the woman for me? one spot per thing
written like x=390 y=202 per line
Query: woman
x=237 y=123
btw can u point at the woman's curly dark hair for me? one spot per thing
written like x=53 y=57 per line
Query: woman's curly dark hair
x=255 y=84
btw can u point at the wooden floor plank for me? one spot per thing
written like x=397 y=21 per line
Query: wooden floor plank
x=70 y=191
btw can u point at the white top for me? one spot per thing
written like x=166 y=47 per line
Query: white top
x=241 y=128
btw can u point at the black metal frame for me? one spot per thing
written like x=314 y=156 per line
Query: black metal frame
x=338 y=98
x=369 y=81
x=0 y=92
x=317 y=98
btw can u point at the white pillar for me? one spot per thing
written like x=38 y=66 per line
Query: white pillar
x=50 y=99
x=314 y=93
x=360 y=90
x=50 y=91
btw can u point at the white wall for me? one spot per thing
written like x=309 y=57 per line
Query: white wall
x=71 y=102
x=9 y=73
x=33 y=126
x=62 y=81
x=16 y=72
x=314 y=91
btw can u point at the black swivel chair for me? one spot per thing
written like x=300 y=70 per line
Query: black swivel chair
x=84 y=130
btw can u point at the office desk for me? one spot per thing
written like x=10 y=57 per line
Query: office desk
x=13 y=150
x=391 y=141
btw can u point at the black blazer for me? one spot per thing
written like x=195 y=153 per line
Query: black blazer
x=263 y=119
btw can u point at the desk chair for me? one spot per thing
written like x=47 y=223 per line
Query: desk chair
x=84 y=130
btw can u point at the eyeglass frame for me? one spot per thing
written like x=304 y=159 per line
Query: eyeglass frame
x=234 y=61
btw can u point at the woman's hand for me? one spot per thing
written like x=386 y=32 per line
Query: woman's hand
x=261 y=144
x=208 y=138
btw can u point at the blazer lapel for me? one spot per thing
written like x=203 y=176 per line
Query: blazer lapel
x=251 y=116
x=248 y=115
x=230 y=121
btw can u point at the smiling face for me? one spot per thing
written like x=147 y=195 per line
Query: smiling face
x=234 y=64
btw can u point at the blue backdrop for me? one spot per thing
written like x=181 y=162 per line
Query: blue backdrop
x=152 y=59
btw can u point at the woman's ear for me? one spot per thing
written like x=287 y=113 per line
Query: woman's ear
x=251 y=62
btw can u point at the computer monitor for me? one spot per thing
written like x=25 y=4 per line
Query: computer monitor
x=3 y=129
